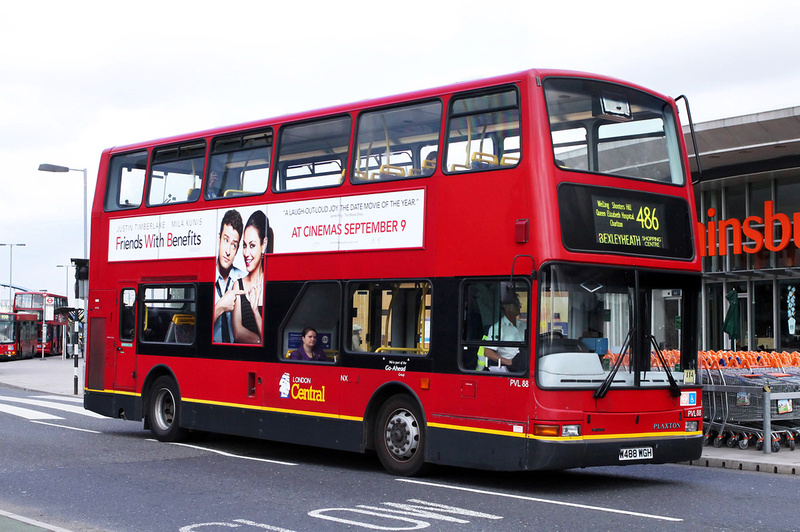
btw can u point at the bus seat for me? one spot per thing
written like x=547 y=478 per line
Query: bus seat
x=457 y=167
x=332 y=354
x=181 y=329
x=509 y=160
x=481 y=160
x=236 y=192
x=193 y=195
x=361 y=175
x=389 y=171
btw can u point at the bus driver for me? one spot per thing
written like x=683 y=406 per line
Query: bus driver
x=507 y=329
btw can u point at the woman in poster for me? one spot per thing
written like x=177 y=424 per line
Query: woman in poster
x=248 y=315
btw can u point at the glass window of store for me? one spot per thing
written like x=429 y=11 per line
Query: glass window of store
x=788 y=315
x=735 y=208
x=787 y=201
x=760 y=193
x=761 y=308
x=712 y=199
x=715 y=315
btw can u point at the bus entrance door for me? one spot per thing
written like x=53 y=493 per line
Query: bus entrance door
x=122 y=345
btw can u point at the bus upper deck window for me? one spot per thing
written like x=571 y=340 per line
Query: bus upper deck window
x=176 y=173
x=312 y=154
x=398 y=143
x=125 y=182
x=484 y=132
x=605 y=128
x=239 y=165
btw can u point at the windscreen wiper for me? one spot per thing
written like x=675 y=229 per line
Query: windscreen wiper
x=674 y=389
x=603 y=389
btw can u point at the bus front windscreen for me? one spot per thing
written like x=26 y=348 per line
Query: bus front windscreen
x=595 y=322
x=606 y=128
x=6 y=331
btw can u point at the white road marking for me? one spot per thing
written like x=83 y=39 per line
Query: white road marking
x=67 y=398
x=544 y=501
x=66 y=427
x=33 y=522
x=26 y=413
x=55 y=406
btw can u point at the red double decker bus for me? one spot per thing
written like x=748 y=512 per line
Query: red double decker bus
x=36 y=303
x=498 y=274
x=17 y=335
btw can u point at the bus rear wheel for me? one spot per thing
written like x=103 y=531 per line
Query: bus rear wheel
x=400 y=436
x=164 y=410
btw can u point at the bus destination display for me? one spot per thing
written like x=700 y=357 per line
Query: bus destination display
x=629 y=223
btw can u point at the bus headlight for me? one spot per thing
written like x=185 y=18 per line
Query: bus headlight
x=570 y=431
x=692 y=426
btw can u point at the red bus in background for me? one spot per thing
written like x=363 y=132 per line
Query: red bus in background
x=499 y=274
x=35 y=303
x=17 y=335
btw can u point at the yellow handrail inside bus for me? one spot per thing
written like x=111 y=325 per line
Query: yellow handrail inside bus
x=233 y=191
x=332 y=354
x=481 y=157
x=183 y=319
x=390 y=170
x=419 y=332
x=421 y=319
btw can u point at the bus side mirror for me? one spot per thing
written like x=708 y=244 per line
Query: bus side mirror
x=508 y=293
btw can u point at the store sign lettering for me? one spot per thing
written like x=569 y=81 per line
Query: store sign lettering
x=760 y=233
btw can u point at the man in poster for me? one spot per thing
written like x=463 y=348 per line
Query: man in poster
x=230 y=234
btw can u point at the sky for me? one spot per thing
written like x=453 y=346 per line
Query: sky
x=80 y=76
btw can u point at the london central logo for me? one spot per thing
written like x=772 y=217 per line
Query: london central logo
x=300 y=388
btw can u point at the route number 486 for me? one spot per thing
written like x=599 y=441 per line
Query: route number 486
x=647 y=218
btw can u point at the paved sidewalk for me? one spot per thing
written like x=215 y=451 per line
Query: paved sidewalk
x=55 y=375
x=49 y=374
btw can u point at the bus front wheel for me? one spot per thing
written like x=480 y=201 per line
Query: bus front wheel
x=400 y=436
x=164 y=410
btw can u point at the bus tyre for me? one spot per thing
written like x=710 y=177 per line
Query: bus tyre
x=163 y=410
x=400 y=436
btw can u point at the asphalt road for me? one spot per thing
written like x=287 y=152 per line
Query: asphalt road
x=69 y=470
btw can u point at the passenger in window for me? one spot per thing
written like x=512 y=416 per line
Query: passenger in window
x=214 y=187
x=248 y=312
x=357 y=338
x=309 y=350
x=507 y=329
x=230 y=233
x=430 y=161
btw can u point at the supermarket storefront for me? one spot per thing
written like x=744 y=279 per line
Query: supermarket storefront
x=748 y=205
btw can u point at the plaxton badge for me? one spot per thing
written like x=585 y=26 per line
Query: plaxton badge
x=666 y=426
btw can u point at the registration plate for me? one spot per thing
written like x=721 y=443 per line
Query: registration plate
x=636 y=453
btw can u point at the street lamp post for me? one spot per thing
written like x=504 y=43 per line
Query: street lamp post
x=56 y=168
x=10 y=267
